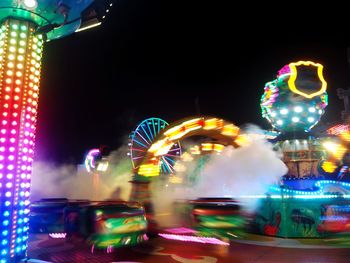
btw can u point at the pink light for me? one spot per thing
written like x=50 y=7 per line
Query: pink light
x=58 y=235
x=204 y=240
x=180 y=230
x=337 y=129
x=284 y=70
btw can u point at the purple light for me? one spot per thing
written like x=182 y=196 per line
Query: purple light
x=204 y=240
x=180 y=230
x=57 y=235
x=90 y=159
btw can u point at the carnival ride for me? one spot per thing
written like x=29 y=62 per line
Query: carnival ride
x=102 y=225
x=293 y=103
x=142 y=138
x=25 y=25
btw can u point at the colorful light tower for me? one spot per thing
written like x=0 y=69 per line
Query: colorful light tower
x=24 y=27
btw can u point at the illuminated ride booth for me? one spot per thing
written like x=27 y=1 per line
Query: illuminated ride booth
x=308 y=202
x=24 y=27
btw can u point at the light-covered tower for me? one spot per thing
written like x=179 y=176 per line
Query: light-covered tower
x=24 y=27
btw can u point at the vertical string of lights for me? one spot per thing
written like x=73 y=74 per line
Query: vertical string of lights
x=20 y=57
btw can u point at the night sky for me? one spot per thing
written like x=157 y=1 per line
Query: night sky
x=151 y=59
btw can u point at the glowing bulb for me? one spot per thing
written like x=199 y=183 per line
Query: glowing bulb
x=284 y=111
x=298 y=109
x=295 y=119
x=30 y=3
x=310 y=119
x=279 y=122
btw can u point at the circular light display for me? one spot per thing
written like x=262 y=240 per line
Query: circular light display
x=296 y=99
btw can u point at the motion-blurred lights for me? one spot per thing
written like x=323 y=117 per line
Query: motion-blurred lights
x=331 y=146
x=30 y=4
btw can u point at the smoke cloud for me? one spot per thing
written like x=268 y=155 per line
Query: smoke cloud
x=74 y=182
x=236 y=172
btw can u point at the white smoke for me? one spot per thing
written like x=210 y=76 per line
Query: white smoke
x=236 y=172
x=74 y=182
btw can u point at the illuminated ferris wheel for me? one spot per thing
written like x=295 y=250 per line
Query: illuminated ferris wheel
x=142 y=138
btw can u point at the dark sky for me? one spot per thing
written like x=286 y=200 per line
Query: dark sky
x=151 y=59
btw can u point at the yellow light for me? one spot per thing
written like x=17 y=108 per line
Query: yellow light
x=328 y=167
x=173 y=132
x=213 y=124
x=293 y=77
x=230 y=130
x=207 y=146
x=339 y=154
x=192 y=125
x=149 y=169
x=242 y=140
x=218 y=147
x=345 y=136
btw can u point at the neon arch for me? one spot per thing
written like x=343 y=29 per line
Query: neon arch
x=225 y=132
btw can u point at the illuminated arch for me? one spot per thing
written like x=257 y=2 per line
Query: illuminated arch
x=225 y=132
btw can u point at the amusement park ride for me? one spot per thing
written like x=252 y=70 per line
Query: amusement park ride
x=310 y=200
x=25 y=25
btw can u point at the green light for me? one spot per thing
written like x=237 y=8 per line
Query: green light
x=23 y=28
x=15 y=27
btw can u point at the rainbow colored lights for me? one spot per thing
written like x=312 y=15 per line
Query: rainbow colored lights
x=20 y=65
x=296 y=99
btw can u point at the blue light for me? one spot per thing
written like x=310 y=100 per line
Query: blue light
x=4 y=242
x=5 y=233
x=3 y=252
x=7 y=203
x=6 y=213
x=5 y=222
